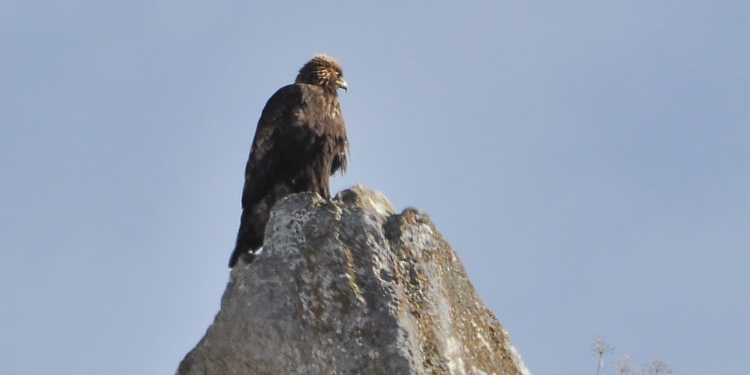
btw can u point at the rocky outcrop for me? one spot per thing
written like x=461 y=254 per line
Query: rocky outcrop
x=350 y=287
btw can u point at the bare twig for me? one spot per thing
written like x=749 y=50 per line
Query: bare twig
x=624 y=365
x=600 y=348
x=657 y=367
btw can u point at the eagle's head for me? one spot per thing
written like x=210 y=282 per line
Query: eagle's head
x=323 y=71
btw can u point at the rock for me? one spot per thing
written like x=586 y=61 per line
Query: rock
x=350 y=287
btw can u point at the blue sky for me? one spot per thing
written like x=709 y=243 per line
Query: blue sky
x=589 y=161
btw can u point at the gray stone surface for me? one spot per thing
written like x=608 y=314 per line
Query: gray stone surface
x=350 y=287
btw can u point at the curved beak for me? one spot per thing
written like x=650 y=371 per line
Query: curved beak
x=342 y=84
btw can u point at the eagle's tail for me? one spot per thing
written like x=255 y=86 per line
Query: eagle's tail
x=250 y=235
x=247 y=255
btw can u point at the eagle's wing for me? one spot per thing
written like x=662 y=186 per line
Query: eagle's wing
x=266 y=165
x=277 y=132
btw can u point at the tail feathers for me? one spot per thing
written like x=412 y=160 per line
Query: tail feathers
x=250 y=235
x=245 y=248
x=247 y=256
x=255 y=215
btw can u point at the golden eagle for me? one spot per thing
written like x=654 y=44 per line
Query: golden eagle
x=299 y=143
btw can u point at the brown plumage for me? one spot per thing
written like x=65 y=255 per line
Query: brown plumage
x=299 y=143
